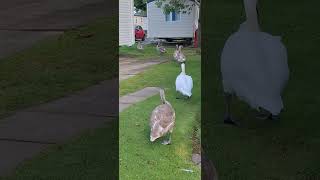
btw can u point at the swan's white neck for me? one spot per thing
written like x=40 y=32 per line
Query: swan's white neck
x=183 y=68
x=251 y=15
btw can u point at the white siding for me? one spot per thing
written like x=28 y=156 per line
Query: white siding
x=158 y=27
x=126 y=28
x=145 y=23
x=141 y=21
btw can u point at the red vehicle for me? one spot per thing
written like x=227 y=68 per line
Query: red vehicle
x=139 y=33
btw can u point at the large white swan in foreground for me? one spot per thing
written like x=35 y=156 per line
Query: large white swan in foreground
x=254 y=67
x=184 y=83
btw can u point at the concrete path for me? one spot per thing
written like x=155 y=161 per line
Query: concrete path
x=129 y=67
x=23 y=22
x=133 y=98
x=30 y=131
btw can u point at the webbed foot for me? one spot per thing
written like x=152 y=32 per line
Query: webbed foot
x=166 y=142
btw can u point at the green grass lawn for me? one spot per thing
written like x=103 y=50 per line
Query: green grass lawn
x=94 y=155
x=288 y=149
x=53 y=68
x=141 y=159
x=58 y=66
x=150 y=52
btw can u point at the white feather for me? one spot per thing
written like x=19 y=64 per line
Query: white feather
x=254 y=67
x=184 y=83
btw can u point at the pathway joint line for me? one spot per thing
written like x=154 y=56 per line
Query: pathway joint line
x=72 y=113
x=36 y=30
x=25 y=141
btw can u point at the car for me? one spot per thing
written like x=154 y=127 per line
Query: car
x=139 y=33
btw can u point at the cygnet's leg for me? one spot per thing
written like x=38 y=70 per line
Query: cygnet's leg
x=168 y=141
x=227 y=117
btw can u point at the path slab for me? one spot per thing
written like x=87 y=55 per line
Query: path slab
x=129 y=67
x=123 y=106
x=27 y=132
x=146 y=92
x=130 y=99
x=133 y=98
x=47 y=127
x=97 y=100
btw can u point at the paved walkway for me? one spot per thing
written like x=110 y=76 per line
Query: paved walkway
x=29 y=131
x=133 y=98
x=23 y=22
x=129 y=67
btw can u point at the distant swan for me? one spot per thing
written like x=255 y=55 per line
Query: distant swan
x=181 y=58
x=160 y=48
x=176 y=53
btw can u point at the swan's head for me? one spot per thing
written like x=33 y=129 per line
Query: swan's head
x=177 y=46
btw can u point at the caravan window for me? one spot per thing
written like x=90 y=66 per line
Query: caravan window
x=173 y=16
x=168 y=17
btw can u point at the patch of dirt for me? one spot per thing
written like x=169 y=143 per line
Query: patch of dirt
x=196 y=141
x=196 y=135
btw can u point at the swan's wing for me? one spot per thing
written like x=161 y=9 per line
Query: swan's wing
x=184 y=84
x=179 y=82
x=190 y=82
x=254 y=66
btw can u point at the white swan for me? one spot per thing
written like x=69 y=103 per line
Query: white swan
x=184 y=83
x=254 y=66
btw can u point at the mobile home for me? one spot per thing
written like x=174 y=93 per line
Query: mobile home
x=126 y=24
x=176 y=25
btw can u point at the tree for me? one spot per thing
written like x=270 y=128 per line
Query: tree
x=180 y=6
x=140 y=5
